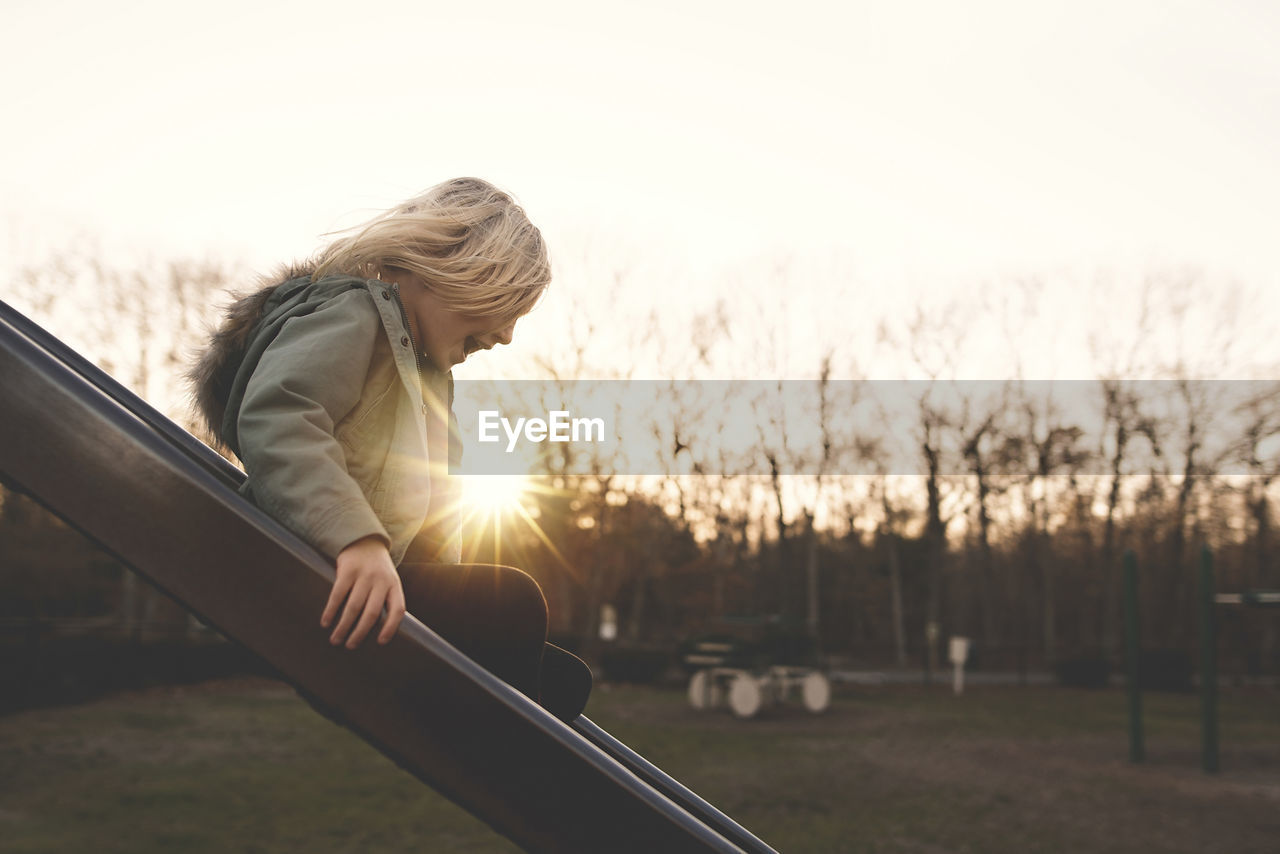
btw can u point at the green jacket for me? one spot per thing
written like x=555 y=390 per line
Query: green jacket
x=342 y=429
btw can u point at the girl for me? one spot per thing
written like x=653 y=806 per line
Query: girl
x=332 y=384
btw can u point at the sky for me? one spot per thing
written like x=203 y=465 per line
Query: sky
x=923 y=145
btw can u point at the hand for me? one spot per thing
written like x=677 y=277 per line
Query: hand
x=368 y=581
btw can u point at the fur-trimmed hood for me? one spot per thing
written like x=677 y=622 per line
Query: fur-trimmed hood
x=212 y=376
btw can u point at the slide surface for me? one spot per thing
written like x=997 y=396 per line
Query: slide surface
x=166 y=505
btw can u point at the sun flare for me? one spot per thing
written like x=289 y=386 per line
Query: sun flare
x=500 y=521
x=493 y=492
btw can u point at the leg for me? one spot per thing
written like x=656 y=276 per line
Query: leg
x=494 y=614
x=497 y=616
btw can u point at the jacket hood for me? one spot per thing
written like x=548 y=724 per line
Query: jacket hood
x=212 y=376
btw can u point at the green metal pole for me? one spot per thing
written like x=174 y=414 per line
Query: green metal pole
x=1208 y=666
x=1132 y=649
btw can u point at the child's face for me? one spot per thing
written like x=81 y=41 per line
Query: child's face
x=449 y=336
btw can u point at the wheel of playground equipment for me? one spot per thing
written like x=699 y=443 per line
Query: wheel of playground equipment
x=704 y=691
x=745 y=695
x=815 y=691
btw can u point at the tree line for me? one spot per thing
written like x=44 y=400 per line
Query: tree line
x=1006 y=523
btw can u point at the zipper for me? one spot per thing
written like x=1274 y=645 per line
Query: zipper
x=417 y=357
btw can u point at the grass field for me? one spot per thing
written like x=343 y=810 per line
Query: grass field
x=246 y=766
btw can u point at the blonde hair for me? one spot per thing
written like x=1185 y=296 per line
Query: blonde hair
x=468 y=241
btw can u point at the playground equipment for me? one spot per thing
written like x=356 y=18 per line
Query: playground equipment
x=1208 y=654
x=1254 y=598
x=168 y=506
x=747 y=692
x=761 y=663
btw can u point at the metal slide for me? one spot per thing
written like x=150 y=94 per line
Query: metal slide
x=166 y=505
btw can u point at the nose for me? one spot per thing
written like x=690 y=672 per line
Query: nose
x=505 y=334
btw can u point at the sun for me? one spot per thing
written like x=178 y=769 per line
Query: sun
x=502 y=512
x=493 y=493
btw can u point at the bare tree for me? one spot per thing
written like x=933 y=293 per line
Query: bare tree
x=975 y=447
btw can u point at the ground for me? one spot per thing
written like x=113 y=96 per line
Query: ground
x=246 y=766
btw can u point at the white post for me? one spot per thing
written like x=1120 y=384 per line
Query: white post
x=958 y=653
x=608 y=623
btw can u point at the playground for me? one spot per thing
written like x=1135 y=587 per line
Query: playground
x=245 y=765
